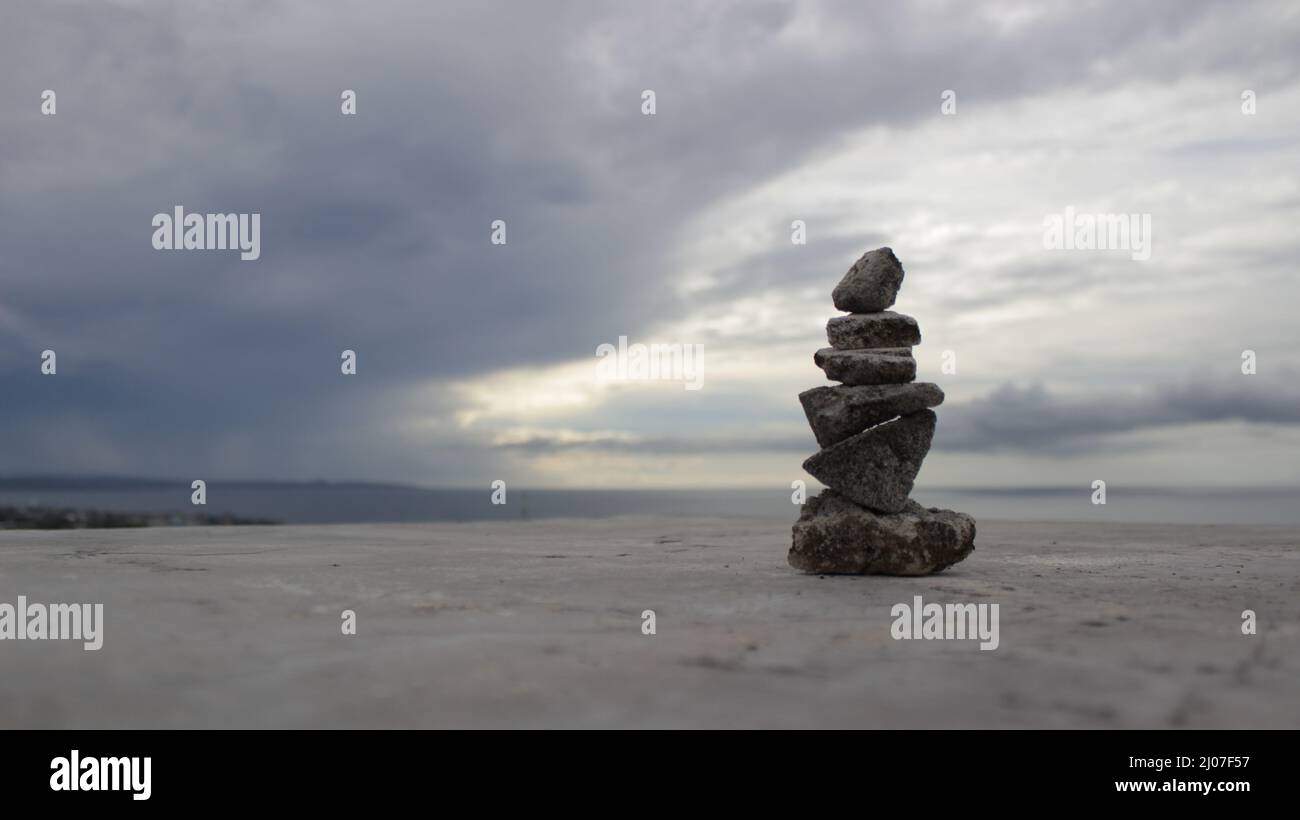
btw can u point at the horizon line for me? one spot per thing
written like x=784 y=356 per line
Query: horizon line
x=19 y=481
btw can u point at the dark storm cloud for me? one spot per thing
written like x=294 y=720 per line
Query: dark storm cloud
x=1033 y=419
x=375 y=228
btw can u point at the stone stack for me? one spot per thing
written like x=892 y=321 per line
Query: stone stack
x=874 y=429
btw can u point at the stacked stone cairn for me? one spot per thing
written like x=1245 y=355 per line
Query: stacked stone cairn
x=874 y=429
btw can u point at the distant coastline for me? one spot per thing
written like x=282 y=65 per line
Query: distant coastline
x=121 y=501
x=70 y=518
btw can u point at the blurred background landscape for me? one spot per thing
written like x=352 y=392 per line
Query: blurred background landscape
x=476 y=361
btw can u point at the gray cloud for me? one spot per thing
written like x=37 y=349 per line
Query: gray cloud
x=375 y=228
x=1034 y=419
x=538 y=443
x=1028 y=419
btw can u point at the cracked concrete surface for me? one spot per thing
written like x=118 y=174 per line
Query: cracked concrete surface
x=538 y=624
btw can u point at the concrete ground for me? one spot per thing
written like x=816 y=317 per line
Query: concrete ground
x=537 y=624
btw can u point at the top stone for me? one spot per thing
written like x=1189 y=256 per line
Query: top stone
x=871 y=285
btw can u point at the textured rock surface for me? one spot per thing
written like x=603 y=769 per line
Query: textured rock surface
x=866 y=330
x=871 y=285
x=834 y=535
x=875 y=430
x=243 y=630
x=876 y=468
x=835 y=413
x=890 y=365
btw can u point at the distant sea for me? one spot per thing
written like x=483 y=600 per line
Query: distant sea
x=329 y=503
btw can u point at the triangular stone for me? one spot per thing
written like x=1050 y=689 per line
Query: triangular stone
x=876 y=467
x=835 y=413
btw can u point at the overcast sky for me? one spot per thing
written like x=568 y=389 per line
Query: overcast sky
x=477 y=361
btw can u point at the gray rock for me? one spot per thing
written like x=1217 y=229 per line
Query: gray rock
x=859 y=331
x=890 y=365
x=871 y=285
x=876 y=467
x=834 y=535
x=835 y=413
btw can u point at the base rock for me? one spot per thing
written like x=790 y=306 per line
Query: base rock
x=834 y=535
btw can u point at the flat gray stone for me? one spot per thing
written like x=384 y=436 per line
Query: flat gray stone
x=871 y=285
x=835 y=413
x=859 y=331
x=866 y=367
x=835 y=536
x=876 y=467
